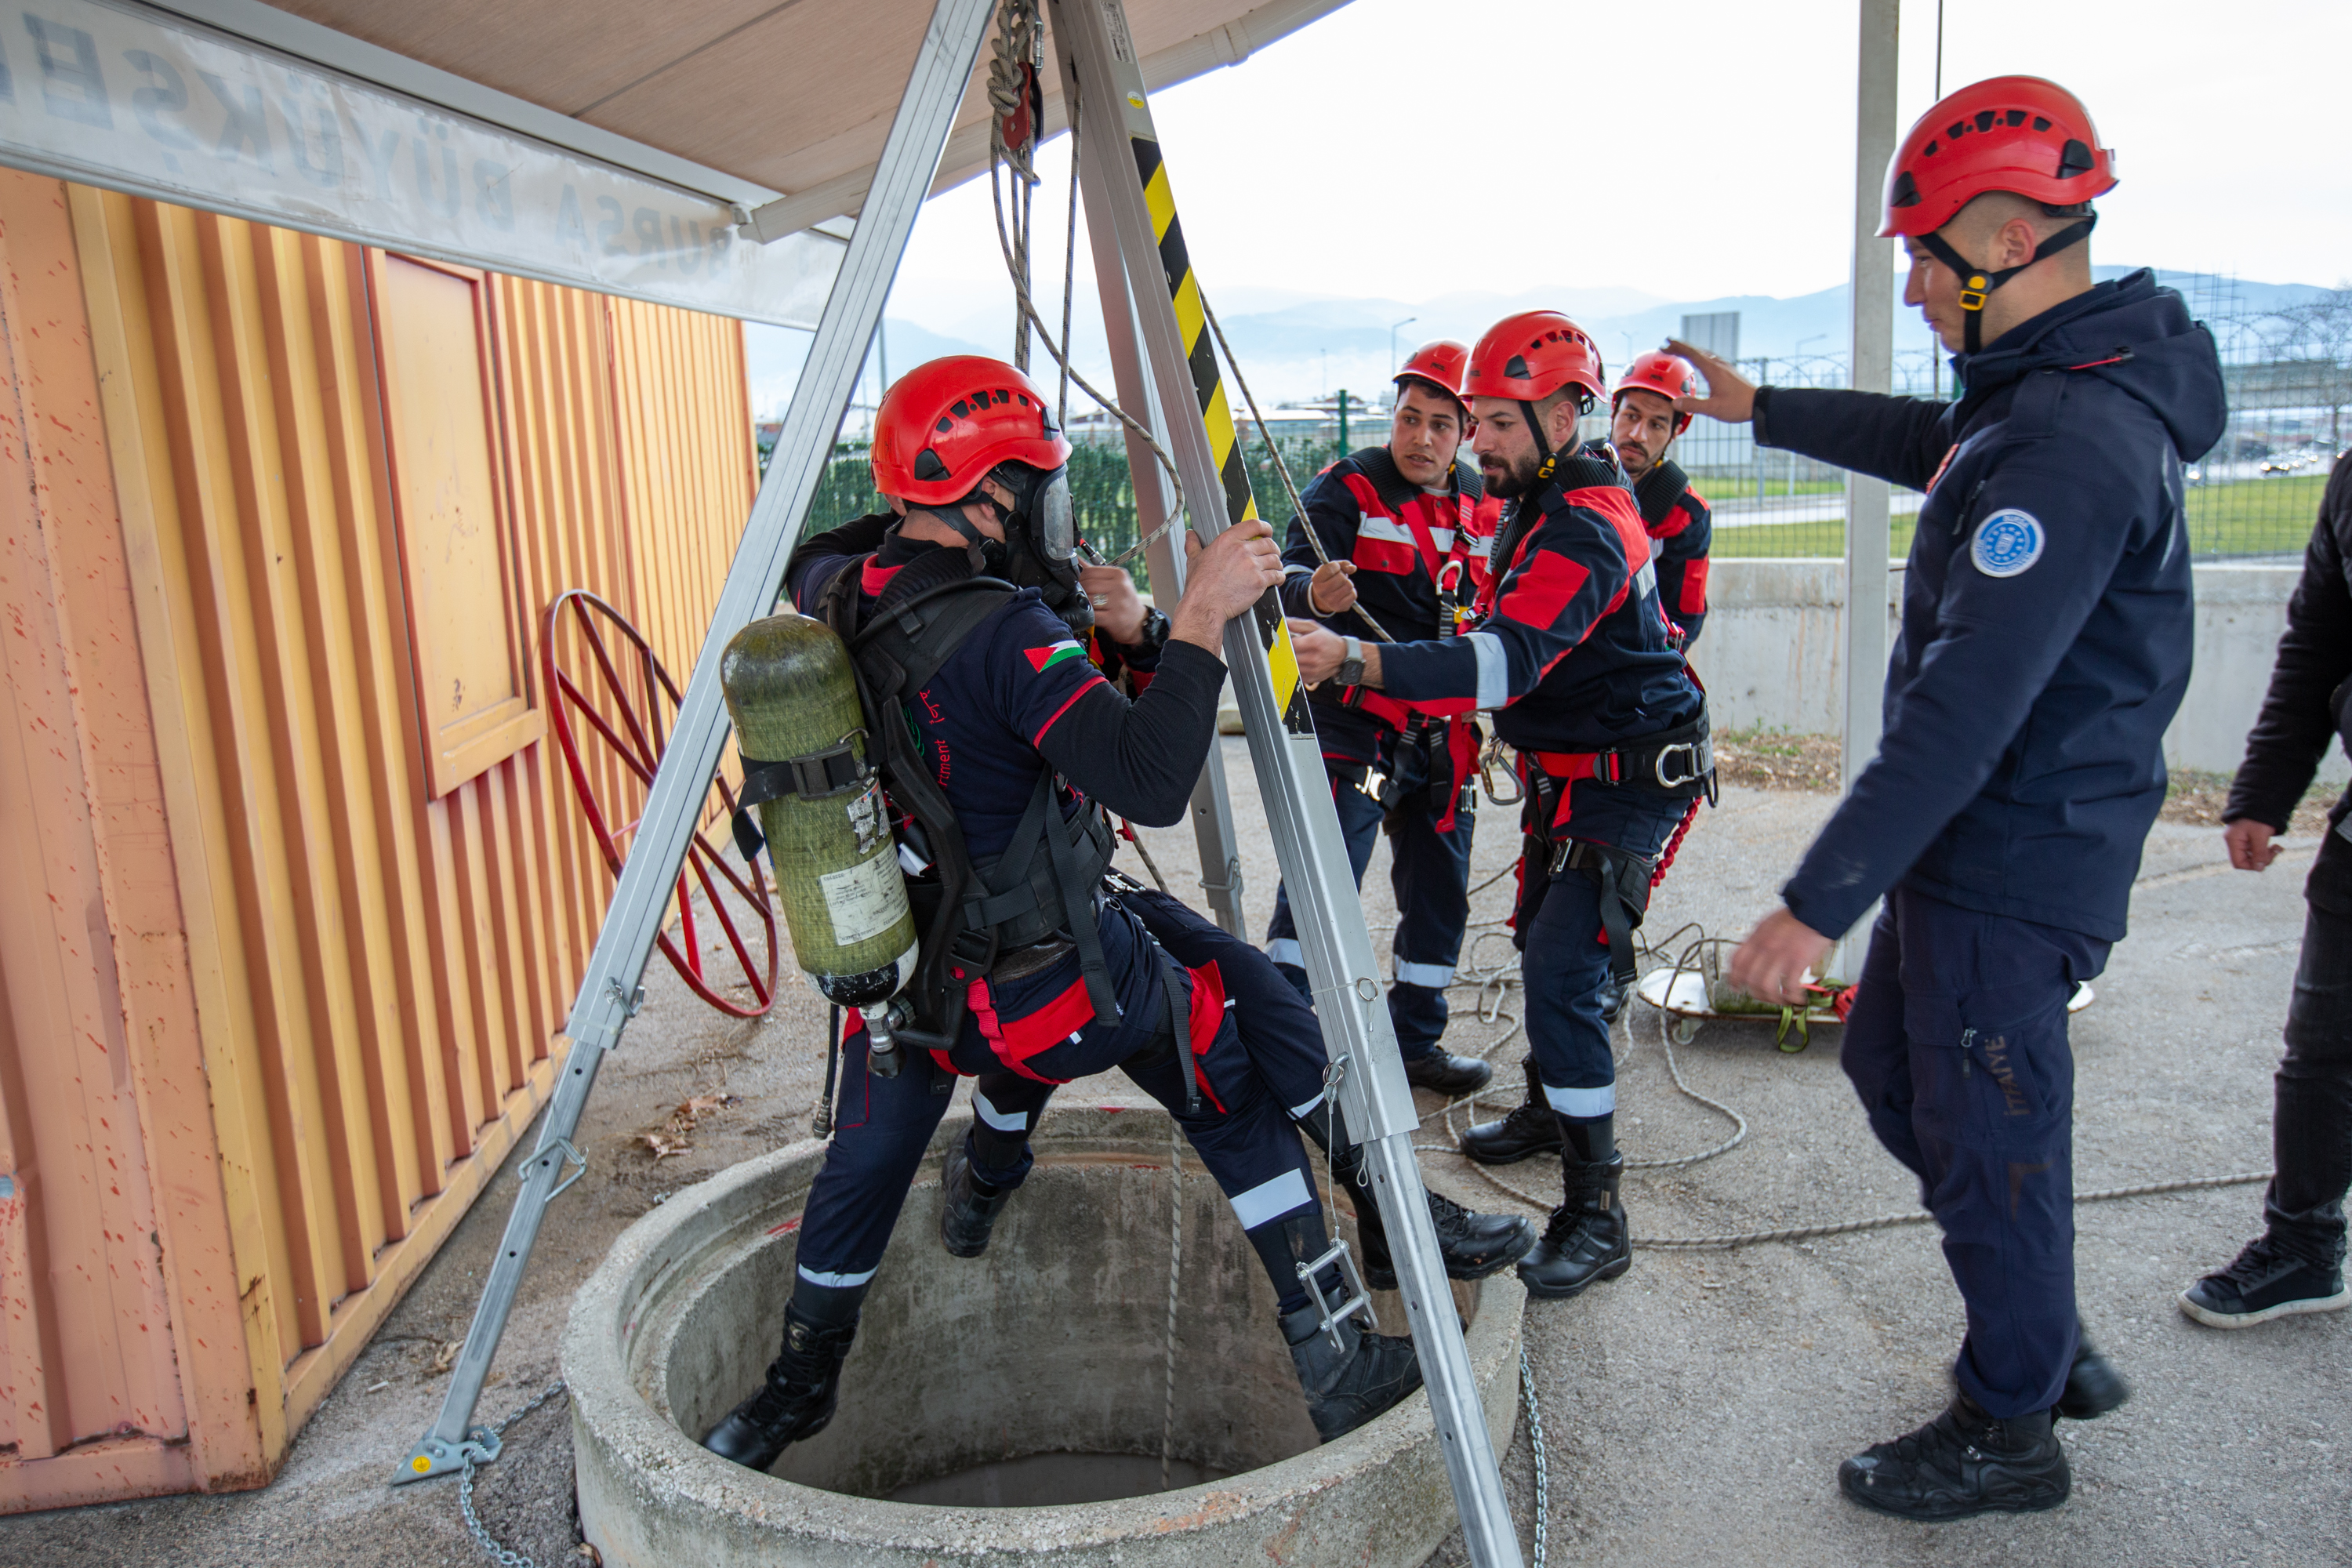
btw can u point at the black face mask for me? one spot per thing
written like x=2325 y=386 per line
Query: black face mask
x=1041 y=541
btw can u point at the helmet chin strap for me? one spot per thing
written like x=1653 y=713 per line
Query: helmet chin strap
x=976 y=542
x=1977 y=283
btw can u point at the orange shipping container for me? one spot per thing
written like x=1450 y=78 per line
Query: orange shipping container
x=297 y=899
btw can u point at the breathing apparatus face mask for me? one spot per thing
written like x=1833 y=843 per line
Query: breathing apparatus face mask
x=1042 y=540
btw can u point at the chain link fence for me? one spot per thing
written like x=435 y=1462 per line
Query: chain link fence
x=2288 y=372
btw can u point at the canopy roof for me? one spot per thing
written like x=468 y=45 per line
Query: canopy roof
x=784 y=96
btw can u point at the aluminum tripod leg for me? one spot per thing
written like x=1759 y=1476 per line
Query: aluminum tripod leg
x=608 y=990
x=1127 y=184
x=1211 y=810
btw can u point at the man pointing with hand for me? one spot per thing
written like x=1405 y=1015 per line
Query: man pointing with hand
x=2044 y=646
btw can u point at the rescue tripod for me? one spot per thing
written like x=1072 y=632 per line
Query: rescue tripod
x=1157 y=332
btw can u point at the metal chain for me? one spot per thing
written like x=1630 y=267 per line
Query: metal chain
x=1536 y=1445
x=1175 y=1270
x=482 y=1538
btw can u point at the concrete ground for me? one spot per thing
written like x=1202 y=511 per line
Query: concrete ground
x=1694 y=1411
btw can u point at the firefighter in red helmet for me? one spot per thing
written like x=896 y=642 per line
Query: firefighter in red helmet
x=2046 y=627
x=1643 y=423
x=1398 y=537
x=1568 y=648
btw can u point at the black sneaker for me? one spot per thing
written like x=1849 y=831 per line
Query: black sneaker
x=2266 y=1281
x=1963 y=1462
x=1474 y=1245
x=1442 y=1072
x=1531 y=1128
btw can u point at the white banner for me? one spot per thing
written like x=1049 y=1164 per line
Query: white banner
x=140 y=100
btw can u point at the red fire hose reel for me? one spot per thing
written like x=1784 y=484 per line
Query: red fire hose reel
x=638 y=704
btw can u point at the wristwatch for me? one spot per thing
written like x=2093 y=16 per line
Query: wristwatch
x=1154 y=635
x=1352 y=669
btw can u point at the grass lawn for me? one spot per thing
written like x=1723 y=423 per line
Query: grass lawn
x=2252 y=517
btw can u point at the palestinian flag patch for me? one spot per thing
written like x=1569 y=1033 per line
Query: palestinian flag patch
x=1041 y=660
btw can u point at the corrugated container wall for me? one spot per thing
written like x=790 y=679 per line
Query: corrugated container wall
x=296 y=896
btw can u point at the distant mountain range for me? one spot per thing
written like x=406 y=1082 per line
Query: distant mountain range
x=1295 y=346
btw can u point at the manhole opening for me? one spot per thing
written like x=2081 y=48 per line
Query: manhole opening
x=1034 y=1375
x=1056 y=1480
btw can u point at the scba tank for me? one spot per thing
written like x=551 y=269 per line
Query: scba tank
x=793 y=696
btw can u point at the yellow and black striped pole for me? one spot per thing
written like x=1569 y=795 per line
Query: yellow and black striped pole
x=1132 y=202
x=1216 y=415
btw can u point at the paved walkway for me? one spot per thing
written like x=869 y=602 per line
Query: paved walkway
x=1697 y=1408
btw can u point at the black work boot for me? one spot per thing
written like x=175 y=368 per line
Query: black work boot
x=1474 y=1245
x=1531 y=1129
x=1442 y=1072
x=1349 y=1384
x=2094 y=1386
x=1586 y=1239
x=1965 y=1461
x=973 y=1205
x=797 y=1400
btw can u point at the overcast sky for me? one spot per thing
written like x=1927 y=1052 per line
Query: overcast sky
x=1689 y=149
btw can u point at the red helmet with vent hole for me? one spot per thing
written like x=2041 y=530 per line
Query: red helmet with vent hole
x=1668 y=375
x=944 y=425
x=2014 y=134
x=1441 y=364
x=1529 y=356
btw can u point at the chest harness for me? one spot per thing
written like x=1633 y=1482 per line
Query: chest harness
x=1677 y=764
x=1430 y=758
x=1009 y=915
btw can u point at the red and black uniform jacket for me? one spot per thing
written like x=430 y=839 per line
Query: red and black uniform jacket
x=1571 y=650
x=1414 y=550
x=1683 y=530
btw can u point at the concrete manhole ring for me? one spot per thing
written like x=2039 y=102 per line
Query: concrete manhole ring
x=1041 y=1365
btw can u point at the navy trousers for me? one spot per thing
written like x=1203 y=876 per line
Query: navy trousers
x=1958 y=1047
x=1430 y=873
x=1241 y=1131
x=1564 y=966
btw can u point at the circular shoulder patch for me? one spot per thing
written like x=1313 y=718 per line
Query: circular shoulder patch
x=2007 y=543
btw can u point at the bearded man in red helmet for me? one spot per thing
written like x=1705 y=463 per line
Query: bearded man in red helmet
x=2044 y=646
x=1398 y=543
x=1643 y=420
x=1568 y=647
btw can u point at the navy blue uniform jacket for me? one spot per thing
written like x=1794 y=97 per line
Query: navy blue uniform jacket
x=2046 y=613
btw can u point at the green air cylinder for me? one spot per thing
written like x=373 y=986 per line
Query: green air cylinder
x=794 y=698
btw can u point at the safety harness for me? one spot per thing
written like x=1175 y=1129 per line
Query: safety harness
x=1675 y=764
x=999 y=918
x=1418 y=745
x=1977 y=283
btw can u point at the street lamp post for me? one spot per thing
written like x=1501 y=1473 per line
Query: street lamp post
x=1392 y=332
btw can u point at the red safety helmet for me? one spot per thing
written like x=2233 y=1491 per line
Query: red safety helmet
x=1441 y=364
x=943 y=426
x=2014 y=134
x=1531 y=355
x=1669 y=375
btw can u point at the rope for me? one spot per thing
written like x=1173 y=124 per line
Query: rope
x=1281 y=468
x=1175 y=1270
x=1061 y=350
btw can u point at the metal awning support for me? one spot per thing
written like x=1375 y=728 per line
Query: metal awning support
x=1866 y=520
x=609 y=991
x=233 y=106
x=1127 y=183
